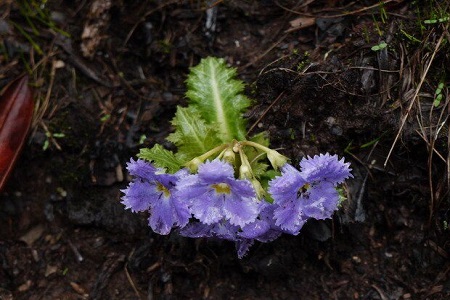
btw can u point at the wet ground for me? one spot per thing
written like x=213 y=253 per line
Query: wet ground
x=107 y=77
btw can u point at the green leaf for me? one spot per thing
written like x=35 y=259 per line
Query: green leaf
x=161 y=158
x=217 y=95
x=192 y=135
x=259 y=168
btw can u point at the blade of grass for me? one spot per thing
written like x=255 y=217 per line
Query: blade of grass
x=28 y=37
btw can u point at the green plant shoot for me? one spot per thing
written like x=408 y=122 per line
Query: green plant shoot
x=212 y=126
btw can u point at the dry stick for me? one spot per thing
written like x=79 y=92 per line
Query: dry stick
x=130 y=280
x=380 y=292
x=422 y=79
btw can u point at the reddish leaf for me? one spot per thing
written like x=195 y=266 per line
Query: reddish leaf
x=16 y=113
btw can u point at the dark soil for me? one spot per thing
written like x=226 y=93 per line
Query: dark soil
x=319 y=87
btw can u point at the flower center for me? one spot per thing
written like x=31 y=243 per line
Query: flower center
x=161 y=188
x=221 y=188
x=303 y=190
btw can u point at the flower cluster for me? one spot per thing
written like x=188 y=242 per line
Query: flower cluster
x=212 y=202
x=219 y=183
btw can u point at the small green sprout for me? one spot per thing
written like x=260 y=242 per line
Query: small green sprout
x=438 y=94
x=437 y=20
x=142 y=139
x=52 y=137
x=379 y=47
x=105 y=118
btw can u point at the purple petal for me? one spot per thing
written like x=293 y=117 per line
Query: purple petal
x=138 y=196
x=322 y=201
x=161 y=217
x=197 y=230
x=166 y=212
x=166 y=179
x=242 y=247
x=269 y=236
x=255 y=229
x=141 y=169
x=242 y=206
x=215 y=171
x=290 y=217
x=207 y=207
x=325 y=167
x=188 y=188
x=181 y=212
x=284 y=187
x=225 y=230
x=262 y=229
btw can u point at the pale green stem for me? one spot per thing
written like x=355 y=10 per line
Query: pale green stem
x=195 y=162
x=246 y=172
x=276 y=159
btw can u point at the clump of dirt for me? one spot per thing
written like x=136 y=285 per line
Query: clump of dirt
x=318 y=87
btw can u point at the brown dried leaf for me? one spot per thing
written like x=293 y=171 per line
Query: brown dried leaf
x=94 y=27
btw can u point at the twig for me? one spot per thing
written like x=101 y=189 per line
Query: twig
x=77 y=253
x=413 y=100
x=380 y=292
x=130 y=280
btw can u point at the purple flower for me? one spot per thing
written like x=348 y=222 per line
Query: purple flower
x=310 y=193
x=263 y=229
x=325 y=167
x=153 y=190
x=214 y=194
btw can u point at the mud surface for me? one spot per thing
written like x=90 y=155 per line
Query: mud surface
x=108 y=80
